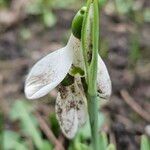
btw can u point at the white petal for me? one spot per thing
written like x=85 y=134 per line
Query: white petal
x=78 y=63
x=47 y=73
x=70 y=104
x=103 y=80
x=66 y=114
x=77 y=52
x=81 y=102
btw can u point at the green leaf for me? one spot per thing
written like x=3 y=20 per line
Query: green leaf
x=102 y=2
x=54 y=124
x=4 y=3
x=146 y=15
x=46 y=145
x=21 y=110
x=76 y=145
x=34 y=7
x=103 y=141
x=11 y=140
x=145 y=143
x=81 y=146
x=85 y=131
x=123 y=7
x=49 y=18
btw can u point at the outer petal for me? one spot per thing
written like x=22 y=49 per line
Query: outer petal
x=71 y=109
x=103 y=80
x=81 y=102
x=47 y=73
x=66 y=113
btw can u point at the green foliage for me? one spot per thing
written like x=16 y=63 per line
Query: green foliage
x=102 y=2
x=54 y=124
x=132 y=9
x=145 y=143
x=103 y=141
x=44 y=9
x=29 y=129
x=4 y=3
x=49 y=18
x=84 y=135
x=27 y=121
x=146 y=15
x=85 y=131
x=12 y=140
x=123 y=7
x=22 y=111
x=104 y=144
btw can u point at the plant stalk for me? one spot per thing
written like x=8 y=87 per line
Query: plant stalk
x=92 y=87
x=91 y=69
x=93 y=116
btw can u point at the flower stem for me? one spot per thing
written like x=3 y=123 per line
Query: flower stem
x=92 y=99
x=93 y=116
x=91 y=69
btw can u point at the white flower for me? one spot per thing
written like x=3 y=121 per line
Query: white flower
x=49 y=72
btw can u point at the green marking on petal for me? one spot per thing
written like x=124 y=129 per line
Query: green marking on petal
x=76 y=71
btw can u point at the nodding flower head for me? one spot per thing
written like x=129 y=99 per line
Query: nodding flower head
x=64 y=68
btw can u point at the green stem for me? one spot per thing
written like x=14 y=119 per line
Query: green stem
x=84 y=39
x=93 y=116
x=95 y=43
x=92 y=87
x=91 y=69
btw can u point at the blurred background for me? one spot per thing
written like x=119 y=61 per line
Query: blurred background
x=30 y=29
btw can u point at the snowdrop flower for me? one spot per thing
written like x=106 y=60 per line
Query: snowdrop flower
x=51 y=71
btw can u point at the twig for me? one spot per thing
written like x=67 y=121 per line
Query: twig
x=137 y=108
x=49 y=133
